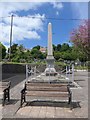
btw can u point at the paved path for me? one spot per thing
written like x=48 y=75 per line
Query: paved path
x=50 y=109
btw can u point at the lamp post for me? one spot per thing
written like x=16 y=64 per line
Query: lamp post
x=10 y=38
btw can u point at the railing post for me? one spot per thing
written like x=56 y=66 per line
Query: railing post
x=66 y=71
x=72 y=72
x=49 y=73
x=26 y=72
x=35 y=71
x=69 y=72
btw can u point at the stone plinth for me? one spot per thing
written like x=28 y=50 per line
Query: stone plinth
x=50 y=64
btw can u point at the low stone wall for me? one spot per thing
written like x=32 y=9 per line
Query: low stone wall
x=21 y=68
x=13 y=68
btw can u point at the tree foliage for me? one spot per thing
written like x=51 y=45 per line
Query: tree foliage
x=65 y=47
x=14 y=48
x=61 y=53
x=58 y=47
x=2 y=50
x=37 y=47
x=80 y=37
x=37 y=54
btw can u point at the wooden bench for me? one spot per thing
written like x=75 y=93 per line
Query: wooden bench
x=45 y=90
x=5 y=91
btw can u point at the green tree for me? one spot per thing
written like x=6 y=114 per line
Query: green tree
x=54 y=47
x=3 y=50
x=14 y=48
x=67 y=56
x=18 y=54
x=37 y=54
x=58 y=47
x=65 y=47
x=37 y=47
x=57 y=55
x=82 y=57
x=21 y=48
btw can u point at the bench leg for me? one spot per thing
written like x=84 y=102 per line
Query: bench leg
x=4 y=98
x=23 y=99
x=8 y=95
x=70 y=101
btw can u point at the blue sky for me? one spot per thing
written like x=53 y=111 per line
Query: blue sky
x=31 y=21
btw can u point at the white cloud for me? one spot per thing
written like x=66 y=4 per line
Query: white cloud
x=81 y=10
x=57 y=13
x=23 y=27
x=31 y=22
x=57 y=5
x=9 y=7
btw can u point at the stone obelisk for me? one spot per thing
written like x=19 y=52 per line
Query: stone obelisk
x=50 y=58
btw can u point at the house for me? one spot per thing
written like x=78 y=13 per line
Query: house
x=43 y=49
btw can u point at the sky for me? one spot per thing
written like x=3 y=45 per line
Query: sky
x=30 y=21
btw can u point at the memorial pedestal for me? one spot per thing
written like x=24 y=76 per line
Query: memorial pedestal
x=50 y=64
x=50 y=70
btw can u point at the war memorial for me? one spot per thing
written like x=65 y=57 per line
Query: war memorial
x=48 y=94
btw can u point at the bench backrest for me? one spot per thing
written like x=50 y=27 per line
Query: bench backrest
x=46 y=87
x=5 y=84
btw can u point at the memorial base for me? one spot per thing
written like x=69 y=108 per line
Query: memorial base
x=50 y=70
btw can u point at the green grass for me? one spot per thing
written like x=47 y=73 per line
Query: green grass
x=37 y=63
x=81 y=67
x=60 y=63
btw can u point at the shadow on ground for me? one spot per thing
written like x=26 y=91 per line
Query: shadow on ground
x=54 y=104
x=11 y=102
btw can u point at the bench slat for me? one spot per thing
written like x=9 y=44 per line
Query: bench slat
x=46 y=94
x=46 y=88
x=2 y=88
x=45 y=84
x=4 y=84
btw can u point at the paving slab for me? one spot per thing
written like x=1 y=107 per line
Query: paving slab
x=42 y=113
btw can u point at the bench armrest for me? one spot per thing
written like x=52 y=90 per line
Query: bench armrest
x=23 y=90
x=68 y=87
x=7 y=88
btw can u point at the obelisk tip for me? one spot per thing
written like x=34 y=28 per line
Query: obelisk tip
x=49 y=23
